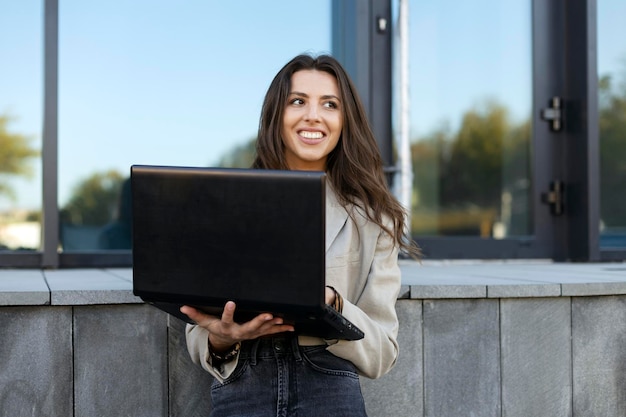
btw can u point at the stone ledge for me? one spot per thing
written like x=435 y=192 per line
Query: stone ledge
x=23 y=287
x=511 y=279
x=90 y=286
x=427 y=280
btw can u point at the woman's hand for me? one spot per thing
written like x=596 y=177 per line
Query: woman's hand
x=224 y=332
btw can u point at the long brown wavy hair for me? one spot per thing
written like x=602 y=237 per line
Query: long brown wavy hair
x=354 y=167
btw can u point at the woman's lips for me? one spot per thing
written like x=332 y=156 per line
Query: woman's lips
x=311 y=137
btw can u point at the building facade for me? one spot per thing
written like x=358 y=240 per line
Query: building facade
x=513 y=114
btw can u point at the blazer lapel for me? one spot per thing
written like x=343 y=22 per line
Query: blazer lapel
x=336 y=216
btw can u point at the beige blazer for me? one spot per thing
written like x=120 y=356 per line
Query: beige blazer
x=362 y=265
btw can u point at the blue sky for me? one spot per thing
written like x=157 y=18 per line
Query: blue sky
x=181 y=83
x=151 y=81
x=463 y=53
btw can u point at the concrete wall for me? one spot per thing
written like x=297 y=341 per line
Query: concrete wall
x=477 y=356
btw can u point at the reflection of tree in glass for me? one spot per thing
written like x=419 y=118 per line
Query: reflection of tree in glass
x=463 y=177
x=473 y=171
x=15 y=154
x=94 y=201
x=612 y=121
x=240 y=156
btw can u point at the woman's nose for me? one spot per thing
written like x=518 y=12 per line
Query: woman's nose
x=312 y=113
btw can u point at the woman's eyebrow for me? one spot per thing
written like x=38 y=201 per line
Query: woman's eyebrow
x=324 y=97
x=331 y=96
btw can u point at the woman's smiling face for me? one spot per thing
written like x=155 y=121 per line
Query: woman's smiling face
x=312 y=120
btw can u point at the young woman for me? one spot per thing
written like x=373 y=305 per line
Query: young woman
x=313 y=119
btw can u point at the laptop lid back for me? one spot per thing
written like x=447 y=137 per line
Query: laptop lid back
x=205 y=235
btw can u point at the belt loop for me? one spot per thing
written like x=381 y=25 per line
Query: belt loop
x=295 y=347
x=253 y=350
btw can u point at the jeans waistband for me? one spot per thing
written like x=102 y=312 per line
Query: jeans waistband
x=283 y=345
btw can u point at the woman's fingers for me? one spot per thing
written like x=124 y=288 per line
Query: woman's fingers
x=226 y=329
x=198 y=316
x=265 y=324
x=228 y=315
x=276 y=328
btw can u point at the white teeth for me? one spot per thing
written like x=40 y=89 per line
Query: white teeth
x=311 y=135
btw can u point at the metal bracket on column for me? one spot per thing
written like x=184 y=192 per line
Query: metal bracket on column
x=555 y=198
x=554 y=114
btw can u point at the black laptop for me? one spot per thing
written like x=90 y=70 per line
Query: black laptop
x=204 y=236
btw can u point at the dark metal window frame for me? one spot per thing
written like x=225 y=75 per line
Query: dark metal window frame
x=49 y=257
x=564 y=65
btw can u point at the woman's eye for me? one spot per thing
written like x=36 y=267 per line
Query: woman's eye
x=330 y=105
x=297 y=101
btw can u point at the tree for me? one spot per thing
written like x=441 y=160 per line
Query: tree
x=612 y=121
x=241 y=156
x=474 y=171
x=464 y=179
x=94 y=201
x=16 y=151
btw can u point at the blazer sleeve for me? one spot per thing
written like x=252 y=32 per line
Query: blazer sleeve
x=198 y=347
x=373 y=311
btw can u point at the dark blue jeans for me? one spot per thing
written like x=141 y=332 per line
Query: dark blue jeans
x=277 y=378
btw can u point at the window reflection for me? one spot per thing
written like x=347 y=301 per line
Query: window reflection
x=144 y=82
x=470 y=107
x=612 y=122
x=20 y=125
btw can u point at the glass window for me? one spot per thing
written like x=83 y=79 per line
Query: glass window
x=470 y=83
x=156 y=82
x=612 y=122
x=21 y=106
